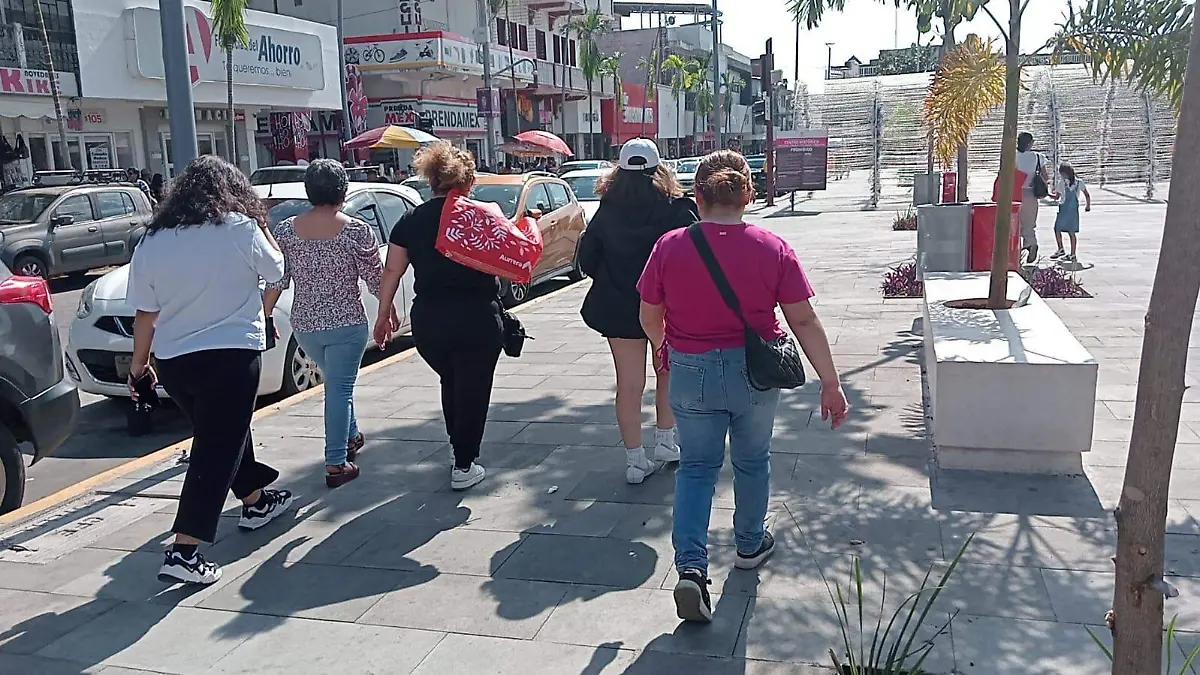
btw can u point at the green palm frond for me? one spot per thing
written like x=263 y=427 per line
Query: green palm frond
x=811 y=12
x=589 y=27
x=969 y=84
x=229 y=22
x=1143 y=42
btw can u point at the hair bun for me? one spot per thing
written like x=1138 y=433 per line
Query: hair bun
x=723 y=178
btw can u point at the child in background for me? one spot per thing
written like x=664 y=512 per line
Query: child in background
x=1068 y=211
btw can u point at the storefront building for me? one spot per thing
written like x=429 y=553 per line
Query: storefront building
x=288 y=65
x=636 y=117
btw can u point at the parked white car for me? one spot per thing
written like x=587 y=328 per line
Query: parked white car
x=685 y=172
x=100 y=341
x=583 y=184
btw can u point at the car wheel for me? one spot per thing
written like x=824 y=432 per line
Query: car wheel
x=576 y=273
x=12 y=473
x=513 y=294
x=300 y=372
x=29 y=265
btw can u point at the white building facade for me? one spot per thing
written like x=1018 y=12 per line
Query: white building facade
x=118 y=117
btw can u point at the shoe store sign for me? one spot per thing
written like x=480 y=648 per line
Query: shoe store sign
x=271 y=57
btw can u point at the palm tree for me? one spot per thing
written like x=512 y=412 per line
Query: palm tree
x=1149 y=43
x=611 y=65
x=733 y=83
x=653 y=66
x=968 y=86
x=229 y=29
x=589 y=27
x=58 y=115
x=681 y=80
x=702 y=87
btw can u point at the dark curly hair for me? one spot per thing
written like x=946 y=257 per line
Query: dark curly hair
x=325 y=182
x=208 y=189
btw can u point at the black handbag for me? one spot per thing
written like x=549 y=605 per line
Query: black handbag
x=1040 y=189
x=514 y=334
x=774 y=364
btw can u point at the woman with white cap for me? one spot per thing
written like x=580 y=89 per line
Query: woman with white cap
x=640 y=200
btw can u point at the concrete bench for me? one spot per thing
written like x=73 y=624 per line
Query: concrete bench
x=1011 y=390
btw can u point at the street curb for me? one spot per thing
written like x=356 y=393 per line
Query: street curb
x=88 y=484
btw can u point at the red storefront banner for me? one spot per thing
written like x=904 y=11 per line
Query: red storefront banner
x=634 y=118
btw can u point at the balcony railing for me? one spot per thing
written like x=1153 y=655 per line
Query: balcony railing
x=22 y=47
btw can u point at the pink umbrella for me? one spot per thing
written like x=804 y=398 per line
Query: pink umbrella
x=547 y=140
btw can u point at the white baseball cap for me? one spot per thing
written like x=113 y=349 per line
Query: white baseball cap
x=639 y=154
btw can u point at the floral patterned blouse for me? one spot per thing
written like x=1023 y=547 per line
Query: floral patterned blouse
x=326 y=272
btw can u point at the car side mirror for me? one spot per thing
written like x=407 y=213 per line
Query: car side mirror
x=59 y=221
x=534 y=213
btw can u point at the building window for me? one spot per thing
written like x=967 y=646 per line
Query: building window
x=513 y=35
x=557 y=49
x=540 y=38
x=573 y=53
x=501 y=31
x=60 y=28
x=523 y=34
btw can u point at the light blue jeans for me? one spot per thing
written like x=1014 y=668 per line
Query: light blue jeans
x=339 y=353
x=712 y=398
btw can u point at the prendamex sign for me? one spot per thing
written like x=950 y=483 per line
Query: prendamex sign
x=446 y=116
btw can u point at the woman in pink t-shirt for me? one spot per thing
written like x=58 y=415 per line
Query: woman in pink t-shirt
x=682 y=313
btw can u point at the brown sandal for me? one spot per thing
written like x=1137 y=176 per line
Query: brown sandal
x=343 y=474
x=353 y=446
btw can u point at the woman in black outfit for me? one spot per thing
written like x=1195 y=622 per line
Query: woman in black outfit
x=639 y=202
x=455 y=312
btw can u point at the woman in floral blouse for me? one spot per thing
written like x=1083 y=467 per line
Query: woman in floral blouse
x=326 y=252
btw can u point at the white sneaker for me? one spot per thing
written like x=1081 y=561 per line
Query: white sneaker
x=462 y=479
x=637 y=467
x=666 y=448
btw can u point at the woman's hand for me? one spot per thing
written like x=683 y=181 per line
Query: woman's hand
x=383 y=330
x=136 y=373
x=394 y=320
x=834 y=405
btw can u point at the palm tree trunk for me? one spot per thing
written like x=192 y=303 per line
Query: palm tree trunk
x=998 y=288
x=58 y=114
x=230 y=125
x=591 y=122
x=1142 y=512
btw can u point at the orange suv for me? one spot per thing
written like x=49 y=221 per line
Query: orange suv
x=549 y=200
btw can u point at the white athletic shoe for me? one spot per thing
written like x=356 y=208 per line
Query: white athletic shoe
x=666 y=447
x=462 y=479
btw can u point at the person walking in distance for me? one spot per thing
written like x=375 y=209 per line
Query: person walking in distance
x=1031 y=163
x=685 y=316
x=640 y=200
x=456 y=312
x=194 y=282
x=326 y=253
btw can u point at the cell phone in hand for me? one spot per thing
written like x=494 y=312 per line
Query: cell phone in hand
x=147 y=394
x=270 y=333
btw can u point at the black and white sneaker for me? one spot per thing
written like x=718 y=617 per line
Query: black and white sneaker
x=691 y=597
x=195 y=570
x=749 y=561
x=272 y=505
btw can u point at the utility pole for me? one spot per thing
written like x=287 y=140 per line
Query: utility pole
x=795 y=100
x=180 y=109
x=347 y=129
x=716 y=76
x=768 y=87
x=829 y=60
x=483 y=35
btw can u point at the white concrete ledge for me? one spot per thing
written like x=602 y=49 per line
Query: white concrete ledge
x=1011 y=390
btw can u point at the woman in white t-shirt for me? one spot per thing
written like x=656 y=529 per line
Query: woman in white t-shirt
x=1029 y=162
x=195 y=283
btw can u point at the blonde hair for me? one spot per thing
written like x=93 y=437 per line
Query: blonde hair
x=632 y=184
x=445 y=167
x=723 y=179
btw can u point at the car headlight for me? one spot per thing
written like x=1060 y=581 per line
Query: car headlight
x=85 y=301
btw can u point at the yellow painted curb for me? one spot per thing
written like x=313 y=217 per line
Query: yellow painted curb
x=82 y=487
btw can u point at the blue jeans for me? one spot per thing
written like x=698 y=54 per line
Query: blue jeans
x=339 y=353
x=712 y=397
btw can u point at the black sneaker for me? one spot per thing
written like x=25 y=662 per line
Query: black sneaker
x=748 y=561
x=1058 y=254
x=272 y=505
x=691 y=597
x=195 y=570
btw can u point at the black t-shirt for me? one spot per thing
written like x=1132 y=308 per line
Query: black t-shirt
x=436 y=276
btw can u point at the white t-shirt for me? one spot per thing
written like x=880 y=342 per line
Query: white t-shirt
x=203 y=280
x=1027 y=163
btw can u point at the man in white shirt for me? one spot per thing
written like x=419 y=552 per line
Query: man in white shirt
x=1029 y=162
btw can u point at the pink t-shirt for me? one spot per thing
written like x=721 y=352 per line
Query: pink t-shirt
x=761 y=267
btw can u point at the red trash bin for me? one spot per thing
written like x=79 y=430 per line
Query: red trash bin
x=983 y=234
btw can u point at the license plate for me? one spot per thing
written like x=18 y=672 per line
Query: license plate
x=123 y=363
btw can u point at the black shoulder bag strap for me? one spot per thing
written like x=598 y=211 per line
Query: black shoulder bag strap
x=715 y=271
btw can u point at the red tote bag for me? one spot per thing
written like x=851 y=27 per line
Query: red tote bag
x=480 y=236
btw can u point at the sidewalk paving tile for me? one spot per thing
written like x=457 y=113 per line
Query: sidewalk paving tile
x=307 y=646
x=458 y=654
x=30 y=620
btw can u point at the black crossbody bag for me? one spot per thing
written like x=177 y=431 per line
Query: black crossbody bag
x=770 y=365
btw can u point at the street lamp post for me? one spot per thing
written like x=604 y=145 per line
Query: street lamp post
x=716 y=77
x=483 y=35
x=829 y=60
x=179 y=86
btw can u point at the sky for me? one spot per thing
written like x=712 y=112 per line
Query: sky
x=862 y=30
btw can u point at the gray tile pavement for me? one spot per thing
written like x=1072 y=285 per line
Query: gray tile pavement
x=554 y=565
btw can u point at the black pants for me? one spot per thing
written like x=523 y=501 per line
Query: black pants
x=466 y=375
x=216 y=390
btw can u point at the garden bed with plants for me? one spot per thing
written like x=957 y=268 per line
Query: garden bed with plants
x=905 y=220
x=903 y=281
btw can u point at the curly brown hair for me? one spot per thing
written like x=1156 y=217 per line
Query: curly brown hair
x=632 y=186
x=445 y=167
x=723 y=179
x=208 y=190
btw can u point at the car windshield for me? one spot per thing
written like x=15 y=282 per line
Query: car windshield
x=16 y=207
x=584 y=187
x=688 y=166
x=273 y=176
x=420 y=185
x=506 y=196
x=279 y=210
x=756 y=163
